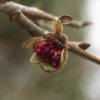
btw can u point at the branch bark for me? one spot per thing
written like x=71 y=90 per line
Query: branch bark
x=27 y=17
x=75 y=48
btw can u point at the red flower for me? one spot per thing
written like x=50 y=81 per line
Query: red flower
x=51 y=49
x=48 y=52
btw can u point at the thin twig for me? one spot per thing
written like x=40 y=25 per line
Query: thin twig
x=79 y=24
x=74 y=47
x=28 y=24
x=27 y=16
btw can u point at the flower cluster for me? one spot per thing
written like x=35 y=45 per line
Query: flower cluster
x=51 y=52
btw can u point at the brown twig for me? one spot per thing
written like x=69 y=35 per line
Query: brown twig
x=26 y=17
x=75 y=48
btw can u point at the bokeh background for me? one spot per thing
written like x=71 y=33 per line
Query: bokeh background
x=79 y=80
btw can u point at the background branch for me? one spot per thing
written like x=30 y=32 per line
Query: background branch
x=27 y=17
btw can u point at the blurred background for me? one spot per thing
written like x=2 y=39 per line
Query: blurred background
x=79 y=80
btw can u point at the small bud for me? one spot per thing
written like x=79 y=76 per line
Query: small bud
x=84 y=45
x=66 y=19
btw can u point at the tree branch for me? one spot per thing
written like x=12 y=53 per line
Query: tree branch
x=27 y=17
x=75 y=48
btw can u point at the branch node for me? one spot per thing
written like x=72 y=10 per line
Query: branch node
x=15 y=15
